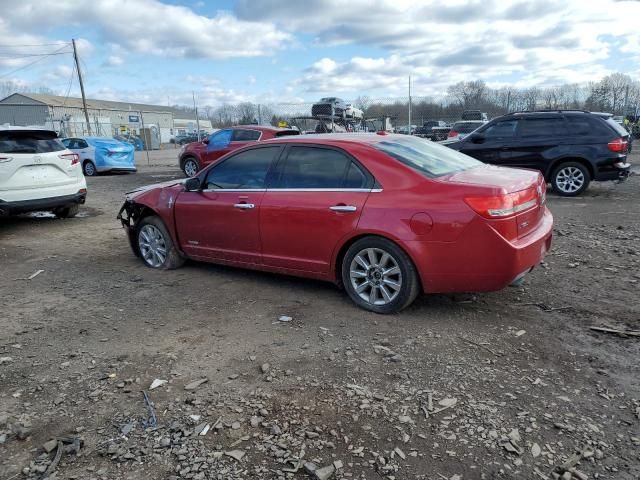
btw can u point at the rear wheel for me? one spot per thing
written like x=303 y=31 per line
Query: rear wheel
x=379 y=276
x=89 y=169
x=155 y=245
x=190 y=167
x=67 y=212
x=570 y=179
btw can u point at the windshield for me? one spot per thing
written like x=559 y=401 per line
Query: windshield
x=426 y=157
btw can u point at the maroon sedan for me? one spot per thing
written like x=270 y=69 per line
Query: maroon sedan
x=385 y=216
x=197 y=155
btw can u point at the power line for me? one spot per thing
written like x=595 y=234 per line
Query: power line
x=15 y=56
x=36 y=45
x=29 y=64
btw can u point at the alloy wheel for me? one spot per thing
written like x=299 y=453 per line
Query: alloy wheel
x=570 y=179
x=153 y=246
x=190 y=168
x=89 y=169
x=375 y=276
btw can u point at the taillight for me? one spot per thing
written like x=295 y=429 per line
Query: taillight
x=75 y=159
x=619 y=145
x=506 y=205
x=452 y=133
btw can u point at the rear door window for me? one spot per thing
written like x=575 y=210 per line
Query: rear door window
x=245 y=135
x=17 y=141
x=542 y=127
x=246 y=170
x=316 y=167
x=619 y=129
x=465 y=127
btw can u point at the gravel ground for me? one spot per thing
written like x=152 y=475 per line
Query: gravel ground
x=512 y=384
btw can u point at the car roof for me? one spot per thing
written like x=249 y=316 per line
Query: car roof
x=262 y=128
x=12 y=128
x=337 y=138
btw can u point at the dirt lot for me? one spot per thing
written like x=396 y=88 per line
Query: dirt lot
x=504 y=385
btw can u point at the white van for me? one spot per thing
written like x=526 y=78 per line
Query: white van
x=38 y=173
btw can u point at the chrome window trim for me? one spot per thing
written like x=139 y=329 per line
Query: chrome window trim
x=318 y=190
x=362 y=190
x=234 y=190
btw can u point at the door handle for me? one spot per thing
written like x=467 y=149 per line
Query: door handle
x=343 y=208
x=244 y=206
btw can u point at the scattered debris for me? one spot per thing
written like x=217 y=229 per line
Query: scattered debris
x=195 y=384
x=619 y=332
x=157 y=383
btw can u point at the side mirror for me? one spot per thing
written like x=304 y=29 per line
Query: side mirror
x=476 y=138
x=192 y=184
x=205 y=140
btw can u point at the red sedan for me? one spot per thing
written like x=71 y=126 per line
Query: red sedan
x=384 y=216
x=197 y=155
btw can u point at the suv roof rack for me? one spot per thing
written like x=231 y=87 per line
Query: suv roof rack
x=554 y=110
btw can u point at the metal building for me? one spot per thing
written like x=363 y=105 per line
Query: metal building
x=65 y=115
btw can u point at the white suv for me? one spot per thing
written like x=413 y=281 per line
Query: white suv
x=38 y=173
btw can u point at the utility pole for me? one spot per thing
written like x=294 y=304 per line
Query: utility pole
x=409 y=129
x=195 y=107
x=84 y=100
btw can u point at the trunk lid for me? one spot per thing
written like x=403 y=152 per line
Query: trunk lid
x=513 y=200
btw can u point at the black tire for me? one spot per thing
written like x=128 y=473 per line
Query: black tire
x=89 y=169
x=400 y=298
x=67 y=212
x=570 y=179
x=188 y=163
x=172 y=258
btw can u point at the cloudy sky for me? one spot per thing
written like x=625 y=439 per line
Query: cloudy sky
x=275 y=50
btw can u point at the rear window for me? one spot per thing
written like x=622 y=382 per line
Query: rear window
x=428 y=158
x=285 y=133
x=16 y=141
x=465 y=127
x=620 y=130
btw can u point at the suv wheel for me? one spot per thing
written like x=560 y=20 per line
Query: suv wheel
x=190 y=167
x=155 y=245
x=570 y=179
x=379 y=276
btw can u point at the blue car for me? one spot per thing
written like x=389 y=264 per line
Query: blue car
x=102 y=154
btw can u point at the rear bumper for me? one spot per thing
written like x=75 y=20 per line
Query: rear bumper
x=109 y=168
x=481 y=260
x=617 y=171
x=50 y=203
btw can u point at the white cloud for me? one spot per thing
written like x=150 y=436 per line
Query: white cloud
x=113 y=61
x=151 y=27
x=439 y=43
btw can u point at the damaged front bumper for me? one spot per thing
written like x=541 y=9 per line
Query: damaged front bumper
x=129 y=215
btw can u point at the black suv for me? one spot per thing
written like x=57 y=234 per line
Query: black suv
x=571 y=148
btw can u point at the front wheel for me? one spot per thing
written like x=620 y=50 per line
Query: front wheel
x=190 y=167
x=155 y=245
x=570 y=179
x=379 y=276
